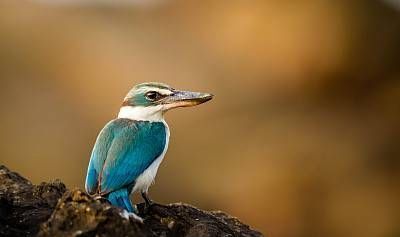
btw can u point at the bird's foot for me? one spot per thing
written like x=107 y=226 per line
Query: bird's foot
x=147 y=201
x=101 y=199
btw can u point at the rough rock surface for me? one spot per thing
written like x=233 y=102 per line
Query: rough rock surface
x=49 y=209
x=24 y=206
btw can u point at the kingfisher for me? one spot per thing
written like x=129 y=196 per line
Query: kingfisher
x=130 y=148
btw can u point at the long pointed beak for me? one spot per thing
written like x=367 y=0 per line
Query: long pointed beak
x=186 y=99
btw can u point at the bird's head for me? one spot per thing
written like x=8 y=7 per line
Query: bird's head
x=149 y=101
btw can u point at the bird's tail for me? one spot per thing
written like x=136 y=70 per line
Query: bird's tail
x=120 y=198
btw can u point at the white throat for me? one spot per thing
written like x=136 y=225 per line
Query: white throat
x=141 y=113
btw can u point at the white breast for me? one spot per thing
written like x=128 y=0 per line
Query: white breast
x=146 y=179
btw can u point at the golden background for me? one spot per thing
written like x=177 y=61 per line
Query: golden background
x=302 y=138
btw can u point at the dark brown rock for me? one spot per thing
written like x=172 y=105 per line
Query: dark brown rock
x=78 y=214
x=184 y=220
x=23 y=206
x=49 y=209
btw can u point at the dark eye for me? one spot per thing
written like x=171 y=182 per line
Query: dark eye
x=153 y=95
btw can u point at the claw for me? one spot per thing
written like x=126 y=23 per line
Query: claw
x=147 y=200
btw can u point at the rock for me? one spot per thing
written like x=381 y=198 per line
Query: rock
x=184 y=220
x=23 y=206
x=78 y=214
x=49 y=209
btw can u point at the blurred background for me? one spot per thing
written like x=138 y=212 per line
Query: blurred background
x=302 y=138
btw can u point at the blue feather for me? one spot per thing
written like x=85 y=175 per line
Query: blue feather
x=98 y=157
x=120 y=198
x=124 y=149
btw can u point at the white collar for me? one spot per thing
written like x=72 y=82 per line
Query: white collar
x=141 y=113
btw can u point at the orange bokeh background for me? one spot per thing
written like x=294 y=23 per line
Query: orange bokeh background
x=302 y=138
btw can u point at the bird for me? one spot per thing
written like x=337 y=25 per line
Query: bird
x=130 y=148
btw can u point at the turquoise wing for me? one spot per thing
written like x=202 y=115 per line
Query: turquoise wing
x=125 y=148
x=98 y=157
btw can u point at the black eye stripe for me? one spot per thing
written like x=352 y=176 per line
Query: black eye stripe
x=154 y=95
